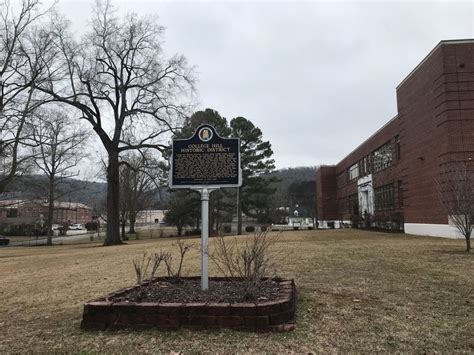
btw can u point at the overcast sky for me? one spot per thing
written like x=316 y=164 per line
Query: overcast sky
x=317 y=77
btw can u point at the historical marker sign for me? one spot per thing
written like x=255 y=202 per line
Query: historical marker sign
x=205 y=160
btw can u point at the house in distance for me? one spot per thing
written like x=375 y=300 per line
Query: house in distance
x=390 y=179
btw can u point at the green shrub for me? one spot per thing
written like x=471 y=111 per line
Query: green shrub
x=92 y=226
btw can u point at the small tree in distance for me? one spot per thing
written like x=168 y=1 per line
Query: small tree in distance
x=57 y=148
x=140 y=176
x=183 y=208
x=456 y=190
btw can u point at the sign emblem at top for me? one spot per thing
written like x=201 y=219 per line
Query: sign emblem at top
x=205 y=133
x=205 y=160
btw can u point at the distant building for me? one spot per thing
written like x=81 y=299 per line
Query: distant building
x=33 y=211
x=298 y=219
x=390 y=178
x=150 y=216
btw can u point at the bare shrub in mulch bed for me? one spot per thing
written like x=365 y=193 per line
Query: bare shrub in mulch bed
x=189 y=290
x=245 y=299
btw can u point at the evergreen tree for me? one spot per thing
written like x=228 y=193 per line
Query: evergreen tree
x=256 y=161
x=183 y=209
x=208 y=116
x=253 y=197
x=303 y=194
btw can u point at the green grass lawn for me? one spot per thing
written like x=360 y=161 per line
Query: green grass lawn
x=357 y=291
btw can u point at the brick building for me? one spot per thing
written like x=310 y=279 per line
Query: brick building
x=30 y=212
x=391 y=177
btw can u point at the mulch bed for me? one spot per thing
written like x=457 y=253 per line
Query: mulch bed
x=189 y=290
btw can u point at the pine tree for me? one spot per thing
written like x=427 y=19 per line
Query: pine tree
x=256 y=161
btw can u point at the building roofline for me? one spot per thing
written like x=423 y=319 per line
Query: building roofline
x=451 y=41
x=369 y=138
x=38 y=202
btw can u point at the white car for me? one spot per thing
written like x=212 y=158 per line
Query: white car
x=76 y=226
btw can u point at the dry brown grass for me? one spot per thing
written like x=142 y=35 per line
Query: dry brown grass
x=358 y=291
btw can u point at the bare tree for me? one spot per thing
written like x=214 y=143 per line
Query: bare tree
x=126 y=89
x=58 y=147
x=140 y=176
x=456 y=190
x=22 y=62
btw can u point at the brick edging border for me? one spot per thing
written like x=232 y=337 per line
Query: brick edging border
x=275 y=315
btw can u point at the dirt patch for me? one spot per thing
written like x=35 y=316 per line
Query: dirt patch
x=186 y=291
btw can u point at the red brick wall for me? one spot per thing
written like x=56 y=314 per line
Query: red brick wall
x=326 y=204
x=29 y=212
x=389 y=175
x=435 y=123
x=436 y=107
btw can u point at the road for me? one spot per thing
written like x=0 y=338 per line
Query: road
x=72 y=236
x=77 y=236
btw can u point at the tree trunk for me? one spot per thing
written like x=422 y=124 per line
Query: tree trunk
x=468 y=245
x=113 y=208
x=132 y=218
x=49 y=220
x=124 y=237
x=239 y=211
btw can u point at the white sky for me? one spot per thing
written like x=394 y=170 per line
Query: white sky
x=318 y=77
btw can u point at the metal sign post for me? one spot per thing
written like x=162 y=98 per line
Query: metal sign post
x=205 y=192
x=205 y=162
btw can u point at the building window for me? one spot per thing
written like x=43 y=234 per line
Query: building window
x=12 y=212
x=397 y=144
x=354 y=172
x=384 y=198
x=353 y=204
x=364 y=166
x=382 y=157
x=400 y=193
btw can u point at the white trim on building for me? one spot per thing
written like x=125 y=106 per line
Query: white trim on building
x=433 y=230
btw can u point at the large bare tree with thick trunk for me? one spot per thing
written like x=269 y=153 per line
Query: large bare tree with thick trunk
x=58 y=147
x=456 y=190
x=22 y=61
x=126 y=89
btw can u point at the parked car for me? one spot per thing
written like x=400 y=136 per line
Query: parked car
x=4 y=240
x=76 y=226
x=55 y=227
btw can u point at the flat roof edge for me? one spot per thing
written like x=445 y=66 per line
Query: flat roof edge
x=453 y=41
x=326 y=166
x=370 y=137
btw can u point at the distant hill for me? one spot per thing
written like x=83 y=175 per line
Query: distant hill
x=34 y=186
x=290 y=176
x=90 y=193
x=94 y=193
